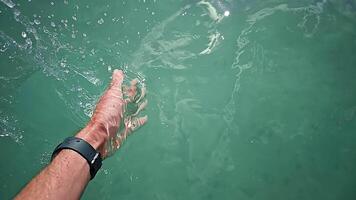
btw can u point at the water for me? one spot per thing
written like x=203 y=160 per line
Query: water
x=247 y=99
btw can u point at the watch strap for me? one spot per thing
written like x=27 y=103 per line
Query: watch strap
x=84 y=149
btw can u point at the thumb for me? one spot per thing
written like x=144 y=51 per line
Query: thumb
x=117 y=77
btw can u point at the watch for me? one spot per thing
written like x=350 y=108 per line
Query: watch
x=84 y=149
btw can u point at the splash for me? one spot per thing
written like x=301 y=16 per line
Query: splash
x=9 y=128
x=9 y=3
x=214 y=40
x=245 y=45
x=216 y=16
x=42 y=50
x=213 y=12
x=157 y=52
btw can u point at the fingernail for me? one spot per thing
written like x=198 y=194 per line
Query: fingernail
x=116 y=71
x=117 y=76
x=144 y=119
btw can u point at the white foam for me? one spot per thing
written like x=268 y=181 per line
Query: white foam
x=9 y=3
x=213 y=41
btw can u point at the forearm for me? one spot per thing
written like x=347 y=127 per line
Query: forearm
x=67 y=175
x=65 y=178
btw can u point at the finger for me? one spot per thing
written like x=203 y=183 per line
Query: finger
x=120 y=138
x=131 y=125
x=143 y=93
x=141 y=107
x=136 y=123
x=117 y=78
x=117 y=142
x=134 y=82
x=132 y=91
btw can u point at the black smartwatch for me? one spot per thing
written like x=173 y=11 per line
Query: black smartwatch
x=84 y=149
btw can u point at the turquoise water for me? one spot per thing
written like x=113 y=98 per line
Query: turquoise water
x=255 y=103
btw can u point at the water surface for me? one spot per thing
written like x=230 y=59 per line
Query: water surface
x=255 y=103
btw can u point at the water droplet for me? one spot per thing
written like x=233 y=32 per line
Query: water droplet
x=74 y=18
x=17 y=12
x=29 y=43
x=84 y=35
x=53 y=24
x=23 y=34
x=227 y=13
x=52 y=3
x=37 y=22
x=45 y=30
x=101 y=21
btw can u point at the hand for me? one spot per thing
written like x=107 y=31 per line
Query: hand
x=109 y=115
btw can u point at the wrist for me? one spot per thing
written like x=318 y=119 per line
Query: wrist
x=94 y=134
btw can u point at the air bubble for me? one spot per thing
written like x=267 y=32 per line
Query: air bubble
x=23 y=34
x=17 y=12
x=101 y=21
x=37 y=22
